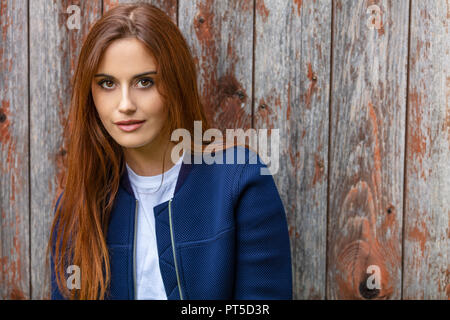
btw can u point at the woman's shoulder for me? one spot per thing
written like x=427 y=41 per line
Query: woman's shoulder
x=236 y=154
x=241 y=154
x=226 y=168
x=227 y=162
x=247 y=159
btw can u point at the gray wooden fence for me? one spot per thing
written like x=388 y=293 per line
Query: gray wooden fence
x=361 y=99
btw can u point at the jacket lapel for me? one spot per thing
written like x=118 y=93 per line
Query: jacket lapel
x=120 y=239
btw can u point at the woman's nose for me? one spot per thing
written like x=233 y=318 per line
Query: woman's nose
x=126 y=103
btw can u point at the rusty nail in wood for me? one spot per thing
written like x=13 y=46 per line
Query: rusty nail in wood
x=2 y=117
x=201 y=19
x=263 y=106
x=240 y=94
x=314 y=77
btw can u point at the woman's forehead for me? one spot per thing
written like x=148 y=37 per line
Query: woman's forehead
x=127 y=56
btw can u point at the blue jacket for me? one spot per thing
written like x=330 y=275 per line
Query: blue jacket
x=223 y=235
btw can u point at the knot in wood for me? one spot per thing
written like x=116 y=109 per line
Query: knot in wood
x=367 y=293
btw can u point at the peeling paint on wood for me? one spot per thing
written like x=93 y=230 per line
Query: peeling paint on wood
x=427 y=214
x=222 y=49
x=14 y=193
x=297 y=105
x=366 y=152
x=262 y=10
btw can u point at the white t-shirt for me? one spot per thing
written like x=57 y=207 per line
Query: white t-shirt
x=149 y=283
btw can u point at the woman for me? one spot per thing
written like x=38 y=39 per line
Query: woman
x=139 y=220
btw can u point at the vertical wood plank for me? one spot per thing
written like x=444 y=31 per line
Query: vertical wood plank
x=367 y=149
x=54 y=49
x=220 y=36
x=426 y=265
x=292 y=74
x=14 y=193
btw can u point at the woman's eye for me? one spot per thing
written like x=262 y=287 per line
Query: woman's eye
x=141 y=84
x=146 y=83
x=108 y=86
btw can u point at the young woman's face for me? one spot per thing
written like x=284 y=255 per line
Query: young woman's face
x=123 y=88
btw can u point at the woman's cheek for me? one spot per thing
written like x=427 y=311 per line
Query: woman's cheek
x=101 y=104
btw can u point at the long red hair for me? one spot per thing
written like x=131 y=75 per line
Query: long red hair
x=95 y=161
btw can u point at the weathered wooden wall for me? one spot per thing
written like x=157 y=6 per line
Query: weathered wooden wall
x=363 y=115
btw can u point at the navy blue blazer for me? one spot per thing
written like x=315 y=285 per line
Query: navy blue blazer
x=223 y=235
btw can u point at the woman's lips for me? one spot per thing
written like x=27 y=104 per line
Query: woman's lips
x=130 y=127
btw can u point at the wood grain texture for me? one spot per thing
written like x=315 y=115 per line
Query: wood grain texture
x=426 y=272
x=14 y=186
x=220 y=36
x=54 y=49
x=292 y=73
x=368 y=108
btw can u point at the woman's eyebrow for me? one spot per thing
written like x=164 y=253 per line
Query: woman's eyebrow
x=134 y=77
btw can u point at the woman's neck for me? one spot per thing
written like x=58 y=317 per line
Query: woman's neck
x=148 y=160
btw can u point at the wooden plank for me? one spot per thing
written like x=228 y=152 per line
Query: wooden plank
x=367 y=150
x=53 y=53
x=168 y=6
x=427 y=203
x=292 y=74
x=14 y=193
x=220 y=36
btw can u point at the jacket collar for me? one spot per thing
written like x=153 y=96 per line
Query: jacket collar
x=184 y=172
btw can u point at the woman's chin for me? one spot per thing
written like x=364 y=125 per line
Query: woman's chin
x=133 y=143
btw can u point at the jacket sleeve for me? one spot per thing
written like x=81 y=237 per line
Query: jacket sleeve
x=263 y=256
x=55 y=293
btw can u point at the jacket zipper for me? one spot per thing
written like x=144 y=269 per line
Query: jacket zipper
x=173 y=249
x=134 y=250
